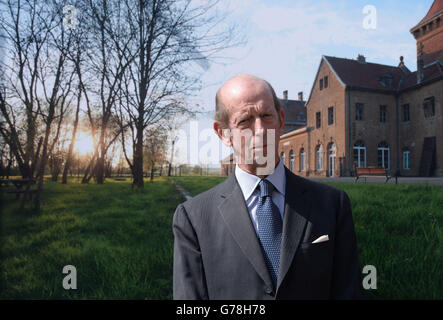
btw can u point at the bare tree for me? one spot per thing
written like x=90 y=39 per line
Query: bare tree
x=36 y=78
x=76 y=56
x=168 y=36
x=25 y=37
x=108 y=38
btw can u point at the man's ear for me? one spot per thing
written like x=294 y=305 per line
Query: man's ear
x=223 y=133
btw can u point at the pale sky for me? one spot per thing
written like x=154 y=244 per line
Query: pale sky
x=286 y=40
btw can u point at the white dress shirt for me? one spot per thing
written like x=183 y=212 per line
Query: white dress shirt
x=248 y=184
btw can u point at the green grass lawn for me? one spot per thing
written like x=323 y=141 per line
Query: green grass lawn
x=119 y=240
x=198 y=184
x=399 y=231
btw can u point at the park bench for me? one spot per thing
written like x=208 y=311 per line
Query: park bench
x=373 y=172
x=17 y=187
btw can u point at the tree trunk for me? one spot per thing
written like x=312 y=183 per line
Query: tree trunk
x=87 y=176
x=138 y=160
x=44 y=158
x=71 y=146
x=100 y=170
x=152 y=172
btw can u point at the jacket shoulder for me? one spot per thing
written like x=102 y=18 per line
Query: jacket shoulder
x=317 y=188
x=208 y=199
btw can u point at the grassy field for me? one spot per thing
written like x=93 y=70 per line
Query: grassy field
x=197 y=184
x=121 y=240
x=399 y=231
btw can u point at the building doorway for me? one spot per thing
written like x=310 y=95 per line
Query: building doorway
x=331 y=157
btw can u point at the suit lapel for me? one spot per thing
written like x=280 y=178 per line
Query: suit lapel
x=236 y=216
x=296 y=215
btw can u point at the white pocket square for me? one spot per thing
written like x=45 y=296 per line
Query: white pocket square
x=321 y=239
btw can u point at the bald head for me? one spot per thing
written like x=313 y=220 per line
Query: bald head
x=237 y=90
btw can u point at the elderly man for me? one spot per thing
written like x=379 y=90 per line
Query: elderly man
x=264 y=233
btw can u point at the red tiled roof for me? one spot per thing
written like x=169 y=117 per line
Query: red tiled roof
x=370 y=75
x=436 y=8
x=366 y=75
x=295 y=113
x=430 y=72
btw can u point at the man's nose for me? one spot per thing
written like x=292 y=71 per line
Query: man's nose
x=258 y=124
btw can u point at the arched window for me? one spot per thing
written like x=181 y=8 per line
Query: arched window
x=383 y=155
x=291 y=160
x=359 y=154
x=302 y=159
x=319 y=157
x=406 y=159
x=282 y=157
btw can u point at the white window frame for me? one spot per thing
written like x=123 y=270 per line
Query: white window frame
x=319 y=158
x=406 y=159
x=332 y=154
x=359 y=160
x=302 y=160
x=383 y=150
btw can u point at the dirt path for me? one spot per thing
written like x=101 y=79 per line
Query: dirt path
x=182 y=190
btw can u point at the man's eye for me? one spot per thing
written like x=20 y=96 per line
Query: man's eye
x=243 y=121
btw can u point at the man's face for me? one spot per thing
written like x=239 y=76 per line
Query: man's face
x=254 y=124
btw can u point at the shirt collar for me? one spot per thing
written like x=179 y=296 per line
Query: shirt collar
x=248 y=182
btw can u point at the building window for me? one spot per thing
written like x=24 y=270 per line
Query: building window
x=429 y=107
x=331 y=159
x=405 y=112
x=282 y=157
x=330 y=115
x=383 y=155
x=291 y=161
x=319 y=157
x=359 y=154
x=382 y=113
x=302 y=159
x=318 y=119
x=326 y=82
x=406 y=159
x=321 y=84
x=359 y=111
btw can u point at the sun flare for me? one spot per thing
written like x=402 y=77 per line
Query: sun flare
x=83 y=143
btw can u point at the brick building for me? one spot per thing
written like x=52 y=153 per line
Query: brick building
x=366 y=114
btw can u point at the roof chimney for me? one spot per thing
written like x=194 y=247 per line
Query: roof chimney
x=300 y=96
x=285 y=95
x=361 y=58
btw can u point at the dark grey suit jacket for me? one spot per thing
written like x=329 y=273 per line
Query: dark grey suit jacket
x=217 y=254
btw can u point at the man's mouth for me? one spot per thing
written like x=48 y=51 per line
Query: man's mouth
x=261 y=147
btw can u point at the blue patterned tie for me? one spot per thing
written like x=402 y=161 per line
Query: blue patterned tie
x=269 y=228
